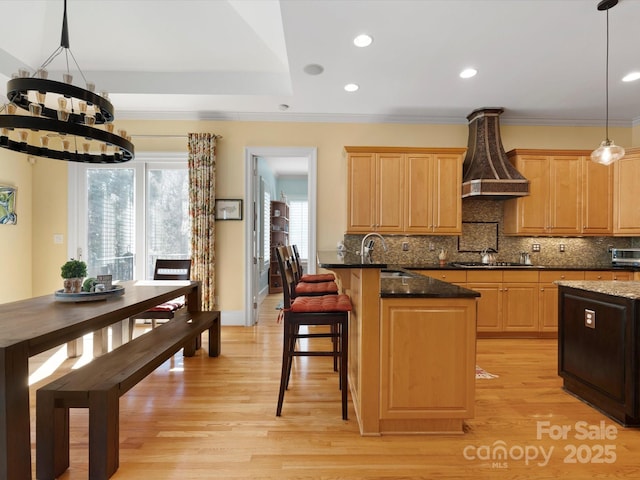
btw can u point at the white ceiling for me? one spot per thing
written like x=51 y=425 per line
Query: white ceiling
x=542 y=60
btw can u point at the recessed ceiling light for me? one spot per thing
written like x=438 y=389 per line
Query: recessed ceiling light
x=630 y=77
x=313 y=69
x=363 y=40
x=468 y=73
x=351 y=87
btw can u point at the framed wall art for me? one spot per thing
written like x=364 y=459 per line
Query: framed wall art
x=8 y=215
x=228 y=209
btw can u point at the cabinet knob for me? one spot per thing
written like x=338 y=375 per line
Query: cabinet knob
x=542 y=289
x=562 y=277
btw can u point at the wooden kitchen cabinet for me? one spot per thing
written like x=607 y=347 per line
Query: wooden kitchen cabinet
x=433 y=199
x=626 y=213
x=569 y=195
x=404 y=190
x=608 y=275
x=376 y=182
x=489 y=284
x=508 y=302
x=427 y=363
x=548 y=300
x=597 y=198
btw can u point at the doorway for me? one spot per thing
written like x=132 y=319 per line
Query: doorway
x=253 y=223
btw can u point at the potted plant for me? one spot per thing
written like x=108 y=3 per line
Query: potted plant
x=73 y=272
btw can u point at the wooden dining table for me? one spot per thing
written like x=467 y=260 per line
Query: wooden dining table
x=32 y=326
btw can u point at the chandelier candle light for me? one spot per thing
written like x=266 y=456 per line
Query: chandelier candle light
x=61 y=109
x=608 y=152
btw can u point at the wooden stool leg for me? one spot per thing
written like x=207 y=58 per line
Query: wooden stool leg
x=286 y=366
x=344 y=355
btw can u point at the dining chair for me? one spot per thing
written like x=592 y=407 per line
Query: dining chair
x=312 y=311
x=165 y=269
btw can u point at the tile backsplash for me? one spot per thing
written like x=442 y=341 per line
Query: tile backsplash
x=481 y=233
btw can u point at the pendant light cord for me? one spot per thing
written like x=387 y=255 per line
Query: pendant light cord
x=607 y=84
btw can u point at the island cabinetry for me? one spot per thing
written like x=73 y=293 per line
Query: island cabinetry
x=569 y=195
x=427 y=364
x=598 y=340
x=625 y=200
x=548 y=307
x=404 y=190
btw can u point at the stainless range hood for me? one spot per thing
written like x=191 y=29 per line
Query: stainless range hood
x=487 y=172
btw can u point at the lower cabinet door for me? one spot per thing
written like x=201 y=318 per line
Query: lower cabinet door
x=489 y=306
x=520 y=307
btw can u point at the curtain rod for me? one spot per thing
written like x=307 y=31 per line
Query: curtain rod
x=143 y=135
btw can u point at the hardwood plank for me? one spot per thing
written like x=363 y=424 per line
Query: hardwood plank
x=214 y=418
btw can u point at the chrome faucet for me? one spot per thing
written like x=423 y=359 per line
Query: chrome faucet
x=366 y=250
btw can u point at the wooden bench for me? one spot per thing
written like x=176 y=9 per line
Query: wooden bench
x=99 y=385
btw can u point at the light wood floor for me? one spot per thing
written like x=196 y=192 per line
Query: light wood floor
x=214 y=418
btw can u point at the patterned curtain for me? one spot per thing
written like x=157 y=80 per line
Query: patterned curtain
x=202 y=195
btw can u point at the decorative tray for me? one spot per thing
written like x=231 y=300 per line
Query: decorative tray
x=115 y=291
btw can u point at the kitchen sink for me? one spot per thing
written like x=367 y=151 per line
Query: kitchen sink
x=394 y=274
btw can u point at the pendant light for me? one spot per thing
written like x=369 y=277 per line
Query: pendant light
x=66 y=117
x=608 y=152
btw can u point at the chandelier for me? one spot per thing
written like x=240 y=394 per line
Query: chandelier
x=73 y=123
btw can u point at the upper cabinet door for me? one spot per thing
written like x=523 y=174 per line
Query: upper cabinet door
x=447 y=194
x=390 y=192
x=565 y=195
x=597 y=198
x=626 y=213
x=361 y=197
x=529 y=215
x=419 y=198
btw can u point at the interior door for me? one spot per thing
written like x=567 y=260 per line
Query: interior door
x=256 y=241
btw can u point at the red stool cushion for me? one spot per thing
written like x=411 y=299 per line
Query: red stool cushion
x=167 y=307
x=317 y=277
x=325 y=303
x=316 y=288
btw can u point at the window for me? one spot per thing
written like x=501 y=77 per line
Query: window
x=110 y=222
x=299 y=226
x=168 y=224
x=133 y=214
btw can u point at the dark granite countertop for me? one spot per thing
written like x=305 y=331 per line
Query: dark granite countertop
x=414 y=285
x=624 y=289
x=331 y=259
x=409 y=285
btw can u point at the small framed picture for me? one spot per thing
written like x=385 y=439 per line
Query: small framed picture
x=228 y=209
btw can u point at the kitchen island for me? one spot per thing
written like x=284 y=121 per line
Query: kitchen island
x=411 y=347
x=599 y=345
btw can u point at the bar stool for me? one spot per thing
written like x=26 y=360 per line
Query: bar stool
x=309 y=277
x=325 y=310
